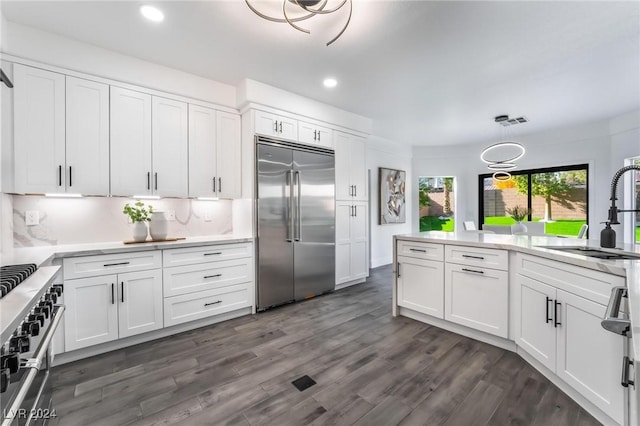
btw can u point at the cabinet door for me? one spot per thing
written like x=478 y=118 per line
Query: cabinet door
x=91 y=316
x=130 y=146
x=342 y=166
x=589 y=357
x=344 y=212
x=325 y=137
x=170 y=152
x=358 y=167
x=307 y=133
x=477 y=298
x=359 y=241
x=265 y=123
x=140 y=302
x=39 y=130
x=536 y=333
x=421 y=285
x=287 y=128
x=229 y=161
x=343 y=262
x=358 y=261
x=202 y=152
x=87 y=147
x=358 y=226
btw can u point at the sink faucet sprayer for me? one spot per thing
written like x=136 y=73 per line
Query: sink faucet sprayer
x=608 y=235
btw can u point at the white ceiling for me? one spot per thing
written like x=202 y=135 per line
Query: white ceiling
x=426 y=72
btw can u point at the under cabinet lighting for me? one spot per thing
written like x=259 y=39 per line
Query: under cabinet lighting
x=207 y=198
x=63 y=195
x=146 y=197
x=152 y=13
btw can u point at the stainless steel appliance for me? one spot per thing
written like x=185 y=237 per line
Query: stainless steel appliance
x=30 y=315
x=296 y=222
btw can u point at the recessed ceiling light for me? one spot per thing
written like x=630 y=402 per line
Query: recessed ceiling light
x=152 y=13
x=330 y=82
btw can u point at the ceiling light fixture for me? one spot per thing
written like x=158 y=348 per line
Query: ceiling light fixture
x=330 y=82
x=513 y=151
x=152 y=13
x=305 y=9
x=502 y=176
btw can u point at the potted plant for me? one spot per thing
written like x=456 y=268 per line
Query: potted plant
x=518 y=214
x=139 y=215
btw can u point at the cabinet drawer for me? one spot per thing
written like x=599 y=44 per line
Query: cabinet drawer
x=428 y=251
x=477 y=298
x=91 y=266
x=474 y=256
x=593 y=285
x=203 y=304
x=207 y=276
x=206 y=254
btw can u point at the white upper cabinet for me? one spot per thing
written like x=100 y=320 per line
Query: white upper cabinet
x=169 y=147
x=214 y=153
x=39 y=130
x=351 y=169
x=87 y=128
x=130 y=142
x=228 y=159
x=269 y=124
x=312 y=134
x=202 y=152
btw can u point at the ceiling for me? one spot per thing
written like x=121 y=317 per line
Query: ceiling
x=426 y=72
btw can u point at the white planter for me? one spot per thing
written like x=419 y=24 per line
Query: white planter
x=518 y=228
x=139 y=231
x=158 y=226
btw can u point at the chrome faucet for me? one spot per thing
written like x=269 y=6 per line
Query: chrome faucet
x=608 y=235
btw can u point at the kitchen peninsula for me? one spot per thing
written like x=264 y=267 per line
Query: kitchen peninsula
x=524 y=295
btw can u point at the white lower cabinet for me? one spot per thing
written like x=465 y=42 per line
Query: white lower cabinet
x=351 y=241
x=203 y=304
x=105 y=308
x=420 y=285
x=477 y=297
x=562 y=331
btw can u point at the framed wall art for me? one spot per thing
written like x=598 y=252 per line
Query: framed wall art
x=392 y=196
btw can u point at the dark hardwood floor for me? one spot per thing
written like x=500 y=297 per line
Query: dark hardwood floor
x=369 y=369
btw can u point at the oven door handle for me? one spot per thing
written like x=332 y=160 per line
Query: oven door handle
x=34 y=366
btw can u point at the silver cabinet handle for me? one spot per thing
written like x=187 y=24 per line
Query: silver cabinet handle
x=355 y=190
x=398 y=270
x=289 y=181
x=212 y=253
x=213 y=303
x=298 y=229
x=472 y=270
x=319 y=135
x=612 y=321
x=315 y=135
x=212 y=276
x=275 y=129
x=624 y=381
x=280 y=126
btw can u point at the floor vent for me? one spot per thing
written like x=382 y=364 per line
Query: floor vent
x=304 y=382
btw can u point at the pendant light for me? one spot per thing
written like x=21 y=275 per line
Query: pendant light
x=501 y=156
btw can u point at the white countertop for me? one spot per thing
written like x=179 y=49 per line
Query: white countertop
x=630 y=269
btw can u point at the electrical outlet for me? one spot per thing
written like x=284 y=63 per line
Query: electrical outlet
x=32 y=217
x=208 y=216
x=171 y=215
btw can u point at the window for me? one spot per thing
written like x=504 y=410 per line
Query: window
x=556 y=196
x=436 y=196
x=632 y=202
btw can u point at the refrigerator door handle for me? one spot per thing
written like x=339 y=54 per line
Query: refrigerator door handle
x=289 y=183
x=298 y=232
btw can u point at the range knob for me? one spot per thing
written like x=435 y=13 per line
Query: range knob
x=19 y=343
x=4 y=379
x=43 y=308
x=37 y=317
x=31 y=328
x=51 y=297
x=11 y=362
x=58 y=289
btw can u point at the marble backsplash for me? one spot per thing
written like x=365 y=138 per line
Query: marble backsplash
x=100 y=219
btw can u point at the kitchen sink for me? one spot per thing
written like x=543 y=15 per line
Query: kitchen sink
x=595 y=252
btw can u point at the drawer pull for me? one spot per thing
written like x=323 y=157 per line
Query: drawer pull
x=116 y=264
x=212 y=254
x=213 y=303
x=468 y=256
x=212 y=276
x=472 y=270
x=419 y=250
x=612 y=320
x=625 y=382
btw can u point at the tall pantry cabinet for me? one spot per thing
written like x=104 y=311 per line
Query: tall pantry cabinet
x=351 y=208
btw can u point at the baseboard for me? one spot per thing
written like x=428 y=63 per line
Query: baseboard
x=350 y=283
x=79 y=354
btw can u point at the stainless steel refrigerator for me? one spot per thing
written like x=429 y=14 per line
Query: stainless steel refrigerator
x=296 y=222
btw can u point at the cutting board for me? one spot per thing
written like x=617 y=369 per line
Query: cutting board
x=155 y=241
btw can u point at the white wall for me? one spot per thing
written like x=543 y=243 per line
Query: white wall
x=590 y=143
x=52 y=49
x=385 y=153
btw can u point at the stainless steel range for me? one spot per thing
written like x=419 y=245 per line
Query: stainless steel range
x=29 y=317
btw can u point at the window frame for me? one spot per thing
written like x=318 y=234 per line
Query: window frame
x=530 y=172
